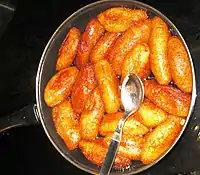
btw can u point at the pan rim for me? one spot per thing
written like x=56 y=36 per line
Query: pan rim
x=41 y=65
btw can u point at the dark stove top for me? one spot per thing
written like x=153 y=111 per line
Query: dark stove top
x=27 y=150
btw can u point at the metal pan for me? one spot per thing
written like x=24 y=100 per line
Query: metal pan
x=40 y=113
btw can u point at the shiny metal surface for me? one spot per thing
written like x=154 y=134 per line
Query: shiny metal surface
x=132 y=95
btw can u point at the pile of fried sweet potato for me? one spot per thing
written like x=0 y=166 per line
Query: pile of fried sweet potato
x=85 y=91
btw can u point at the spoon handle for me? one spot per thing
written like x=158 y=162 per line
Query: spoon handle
x=111 y=154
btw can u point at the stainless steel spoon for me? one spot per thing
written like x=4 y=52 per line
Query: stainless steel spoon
x=132 y=95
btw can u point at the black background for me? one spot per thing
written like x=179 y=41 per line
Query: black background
x=27 y=150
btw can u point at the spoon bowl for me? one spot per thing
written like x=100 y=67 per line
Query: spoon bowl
x=132 y=95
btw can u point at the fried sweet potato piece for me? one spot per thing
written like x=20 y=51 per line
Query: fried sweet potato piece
x=103 y=46
x=60 y=86
x=119 y=19
x=161 y=139
x=91 y=116
x=66 y=124
x=150 y=115
x=131 y=126
x=159 y=62
x=179 y=64
x=95 y=152
x=108 y=86
x=68 y=49
x=137 y=62
x=168 y=98
x=130 y=146
x=137 y=33
x=84 y=85
x=94 y=30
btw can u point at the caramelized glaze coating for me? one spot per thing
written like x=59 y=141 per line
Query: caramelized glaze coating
x=84 y=85
x=91 y=116
x=168 y=98
x=68 y=49
x=86 y=103
x=108 y=86
x=131 y=127
x=94 y=30
x=137 y=62
x=119 y=19
x=179 y=64
x=159 y=62
x=150 y=115
x=130 y=146
x=161 y=139
x=103 y=46
x=60 y=86
x=137 y=33
x=95 y=152
x=66 y=124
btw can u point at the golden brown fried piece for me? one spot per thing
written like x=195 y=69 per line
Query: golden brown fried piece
x=159 y=62
x=84 y=85
x=68 y=49
x=168 y=98
x=161 y=139
x=150 y=115
x=95 y=152
x=94 y=30
x=108 y=86
x=66 y=124
x=179 y=64
x=60 y=86
x=131 y=127
x=130 y=146
x=137 y=33
x=137 y=62
x=119 y=19
x=103 y=46
x=91 y=116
